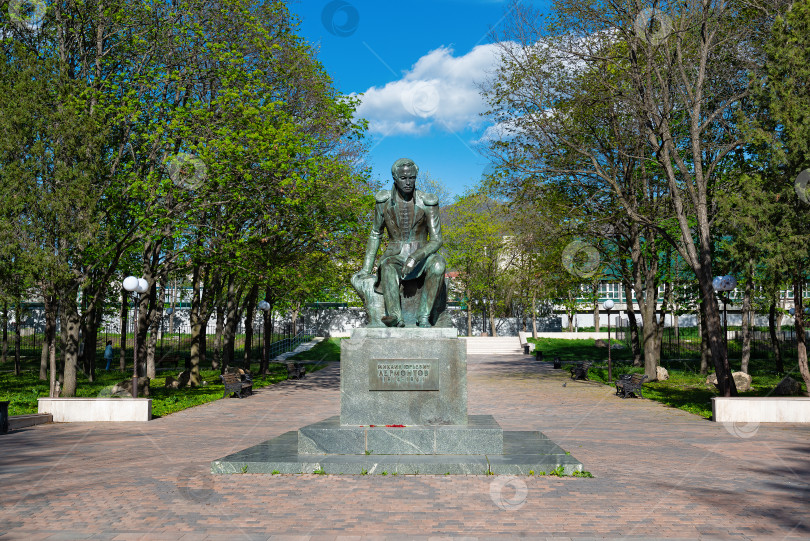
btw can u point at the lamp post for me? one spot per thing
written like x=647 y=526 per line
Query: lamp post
x=264 y=306
x=136 y=286
x=608 y=304
x=724 y=284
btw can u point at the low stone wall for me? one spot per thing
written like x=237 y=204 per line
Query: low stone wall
x=82 y=410
x=761 y=409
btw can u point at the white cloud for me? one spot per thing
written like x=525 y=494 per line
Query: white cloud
x=440 y=91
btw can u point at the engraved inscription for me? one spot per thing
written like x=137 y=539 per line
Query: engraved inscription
x=403 y=374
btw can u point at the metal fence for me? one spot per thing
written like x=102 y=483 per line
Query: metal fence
x=684 y=343
x=175 y=343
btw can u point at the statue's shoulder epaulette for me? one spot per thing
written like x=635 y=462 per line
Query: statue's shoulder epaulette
x=382 y=196
x=430 y=199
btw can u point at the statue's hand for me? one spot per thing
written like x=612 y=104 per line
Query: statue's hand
x=410 y=263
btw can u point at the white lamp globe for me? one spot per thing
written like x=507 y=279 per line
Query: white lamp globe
x=792 y=311
x=143 y=286
x=169 y=311
x=717 y=283
x=608 y=304
x=264 y=305
x=731 y=281
x=130 y=283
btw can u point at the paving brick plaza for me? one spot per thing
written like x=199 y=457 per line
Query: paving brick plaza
x=658 y=473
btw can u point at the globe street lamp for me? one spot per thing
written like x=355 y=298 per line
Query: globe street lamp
x=724 y=284
x=136 y=286
x=608 y=304
x=264 y=306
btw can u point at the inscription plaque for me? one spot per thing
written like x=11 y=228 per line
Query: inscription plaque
x=403 y=374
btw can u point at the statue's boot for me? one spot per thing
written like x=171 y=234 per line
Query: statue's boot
x=390 y=287
x=433 y=280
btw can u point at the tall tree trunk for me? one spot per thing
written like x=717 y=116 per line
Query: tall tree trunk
x=5 y=333
x=704 y=339
x=17 y=337
x=71 y=323
x=232 y=317
x=595 y=293
x=746 y=313
x=250 y=315
x=144 y=301
x=50 y=339
x=725 y=382
x=82 y=357
x=124 y=323
x=798 y=322
x=635 y=344
x=155 y=319
x=43 y=360
x=216 y=361
x=534 y=314
x=197 y=330
x=51 y=314
x=91 y=323
x=492 y=320
x=777 y=350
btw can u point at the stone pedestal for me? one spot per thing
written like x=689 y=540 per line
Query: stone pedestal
x=415 y=381
x=407 y=376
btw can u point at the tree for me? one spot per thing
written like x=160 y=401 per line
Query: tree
x=678 y=84
x=474 y=229
x=781 y=136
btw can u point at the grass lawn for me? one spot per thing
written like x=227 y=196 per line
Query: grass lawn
x=685 y=389
x=325 y=351
x=23 y=390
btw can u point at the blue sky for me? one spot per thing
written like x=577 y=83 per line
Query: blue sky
x=417 y=64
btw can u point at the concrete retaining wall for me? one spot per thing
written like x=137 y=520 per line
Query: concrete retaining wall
x=761 y=409
x=82 y=410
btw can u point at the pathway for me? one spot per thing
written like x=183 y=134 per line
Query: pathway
x=659 y=472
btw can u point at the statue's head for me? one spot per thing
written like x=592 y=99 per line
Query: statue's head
x=404 y=172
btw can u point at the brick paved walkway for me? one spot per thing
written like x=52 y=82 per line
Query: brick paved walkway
x=659 y=473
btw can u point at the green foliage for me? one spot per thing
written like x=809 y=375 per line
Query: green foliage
x=582 y=473
x=559 y=471
x=22 y=391
x=324 y=351
x=685 y=389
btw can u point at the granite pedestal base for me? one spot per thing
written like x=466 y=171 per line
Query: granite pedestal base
x=409 y=376
x=523 y=453
x=482 y=435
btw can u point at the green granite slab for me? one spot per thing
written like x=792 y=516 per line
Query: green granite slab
x=482 y=435
x=523 y=452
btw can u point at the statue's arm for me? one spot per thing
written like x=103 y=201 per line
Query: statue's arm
x=434 y=224
x=374 y=238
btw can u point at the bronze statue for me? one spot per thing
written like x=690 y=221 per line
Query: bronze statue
x=410 y=268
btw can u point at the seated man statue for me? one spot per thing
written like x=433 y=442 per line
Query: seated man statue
x=410 y=261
